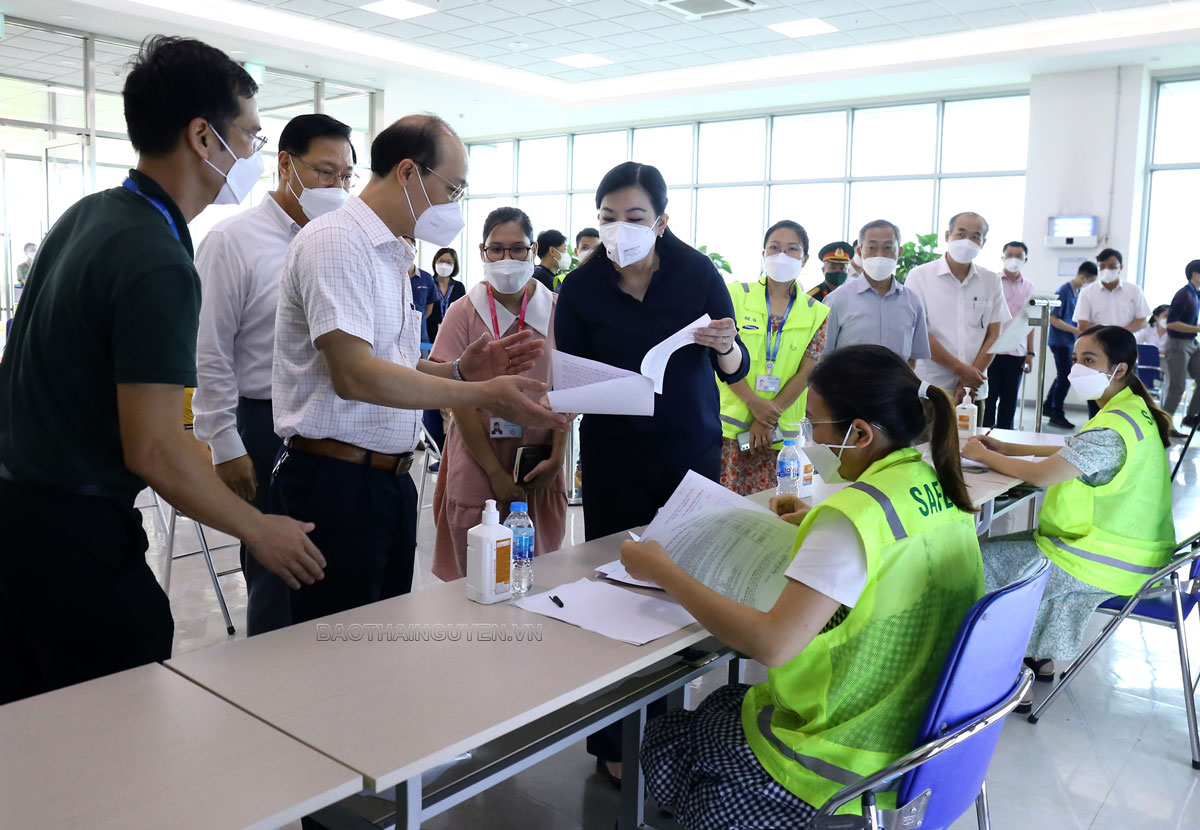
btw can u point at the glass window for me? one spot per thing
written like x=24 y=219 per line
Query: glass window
x=491 y=168
x=985 y=134
x=594 y=154
x=1178 y=123
x=733 y=151
x=24 y=188
x=667 y=148
x=583 y=213
x=542 y=164
x=809 y=146
x=114 y=157
x=998 y=199
x=729 y=220
x=894 y=141
x=679 y=212
x=907 y=203
x=468 y=248
x=23 y=100
x=1170 y=232
x=546 y=213
x=817 y=207
x=110 y=112
x=353 y=107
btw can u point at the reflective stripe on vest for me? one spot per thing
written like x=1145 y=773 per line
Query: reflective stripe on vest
x=822 y=768
x=889 y=510
x=1119 y=564
x=735 y=422
x=1137 y=430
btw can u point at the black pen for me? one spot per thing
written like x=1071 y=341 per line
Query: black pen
x=556 y=601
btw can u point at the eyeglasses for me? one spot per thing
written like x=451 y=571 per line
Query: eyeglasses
x=257 y=141
x=495 y=253
x=328 y=178
x=457 y=192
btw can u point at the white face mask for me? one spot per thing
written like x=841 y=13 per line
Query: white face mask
x=1088 y=384
x=508 y=276
x=240 y=179
x=879 y=268
x=781 y=267
x=627 y=243
x=564 y=261
x=963 y=250
x=857 y=261
x=1110 y=276
x=1013 y=265
x=437 y=224
x=317 y=201
x=444 y=269
x=828 y=464
x=584 y=255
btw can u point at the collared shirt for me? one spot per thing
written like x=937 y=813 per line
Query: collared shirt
x=1016 y=296
x=544 y=275
x=1119 y=307
x=423 y=288
x=1185 y=308
x=958 y=314
x=1067 y=297
x=346 y=272
x=860 y=314
x=113 y=298
x=822 y=290
x=240 y=263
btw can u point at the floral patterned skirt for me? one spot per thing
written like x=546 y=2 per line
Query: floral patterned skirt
x=746 y=473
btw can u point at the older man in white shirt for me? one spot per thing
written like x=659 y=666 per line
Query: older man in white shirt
x=348 y=381
x=240 y=262
x=964 y=309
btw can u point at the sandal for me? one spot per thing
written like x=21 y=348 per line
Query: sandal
x=1037 y=666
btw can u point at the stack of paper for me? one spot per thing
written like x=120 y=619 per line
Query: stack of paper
x=611 y=611
x=616 y=572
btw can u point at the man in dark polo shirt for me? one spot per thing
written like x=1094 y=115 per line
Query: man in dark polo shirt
x=1182 y=352
x=92 y=389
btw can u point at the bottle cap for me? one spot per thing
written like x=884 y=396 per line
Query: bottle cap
x=789 y=442
x=491 y=516
x=518 y=507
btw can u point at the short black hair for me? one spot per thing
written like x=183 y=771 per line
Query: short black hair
x=1158 y=309
x=791 y=226
x=549 y=239
x=1016 y=244
x=503 y=215
x=453 y=255
x=878 y=223
x=299 y=133
x=173 y=80
x=954 y=221
x=416 y=137
x=1089 y=268
x=1192 y=268
x=1110 y=252
x=586 y=232
x=635 y=174
x=29 y=245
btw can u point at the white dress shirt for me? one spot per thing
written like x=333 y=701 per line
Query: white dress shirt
x=240 y=262
x=957 y=314
x=1119 y=307
x=347 y=272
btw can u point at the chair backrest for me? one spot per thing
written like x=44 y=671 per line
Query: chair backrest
x=980 y=669
x=1149 y=364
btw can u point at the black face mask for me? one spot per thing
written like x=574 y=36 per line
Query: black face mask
x=835 y=277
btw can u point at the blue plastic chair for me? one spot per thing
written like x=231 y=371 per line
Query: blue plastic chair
x=982 y=680
x=1149 y=367
x=1165 y=599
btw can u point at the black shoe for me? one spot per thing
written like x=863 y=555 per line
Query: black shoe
x=1060 y=422
x=602 y=768
x=1189 y=422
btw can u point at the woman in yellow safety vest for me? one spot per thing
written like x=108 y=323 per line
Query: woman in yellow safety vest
x=784 y=331
x=1106 y=521
x=883 y=573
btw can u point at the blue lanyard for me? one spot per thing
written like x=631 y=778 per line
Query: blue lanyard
x=443 y=299
x=131 y=185
x=773 y=352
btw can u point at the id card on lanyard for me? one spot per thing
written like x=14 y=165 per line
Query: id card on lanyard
x=770 y=382
x=500 y=428
x=130 y=185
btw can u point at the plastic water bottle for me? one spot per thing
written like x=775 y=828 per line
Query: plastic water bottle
x=789 y=467
x=522 y=548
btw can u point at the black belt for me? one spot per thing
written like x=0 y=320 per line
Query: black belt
x=89 y=490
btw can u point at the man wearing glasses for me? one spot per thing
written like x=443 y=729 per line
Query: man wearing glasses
x=348 y=382
x=240 y=262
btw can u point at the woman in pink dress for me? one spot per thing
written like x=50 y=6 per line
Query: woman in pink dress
x=477 y=461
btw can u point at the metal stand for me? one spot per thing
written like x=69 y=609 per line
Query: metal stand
x=1044 y=303
x=571 y=465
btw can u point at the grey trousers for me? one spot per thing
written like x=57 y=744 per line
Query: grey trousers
x=1183 y=361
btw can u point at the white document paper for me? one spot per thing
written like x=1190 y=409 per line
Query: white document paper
x=616 y=572
x=1013 y=336
x=697 y=494
x=654 y=364
x=611 y=611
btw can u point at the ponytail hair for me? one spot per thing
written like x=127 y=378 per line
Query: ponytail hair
x=873 y=384
x=1120 y=346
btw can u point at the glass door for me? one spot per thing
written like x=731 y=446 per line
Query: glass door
x=65 y=164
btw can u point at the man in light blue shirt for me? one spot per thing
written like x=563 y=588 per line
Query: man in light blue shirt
x=875 y=307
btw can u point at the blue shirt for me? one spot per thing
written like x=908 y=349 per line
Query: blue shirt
x=1185 y=308
x=423 y=288
x=859 y=314
x=595 y=319
x=1065 y=312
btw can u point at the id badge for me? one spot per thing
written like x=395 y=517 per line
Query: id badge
x=501 y=428
x=766 y=383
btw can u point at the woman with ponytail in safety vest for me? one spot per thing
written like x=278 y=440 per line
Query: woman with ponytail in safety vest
x=1105 y=524
x=883 y=573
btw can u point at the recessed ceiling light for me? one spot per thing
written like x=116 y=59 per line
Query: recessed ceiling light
x=803 y=28
x=584 y=60
x=399 y=9
x=237 y=52
x=518 y=44
x=66 y=17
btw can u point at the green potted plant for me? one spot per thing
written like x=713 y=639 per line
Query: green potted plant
x=916 y=253
x=718 y=261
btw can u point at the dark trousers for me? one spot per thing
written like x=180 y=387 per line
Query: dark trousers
x=366 y=528
x=77 y=599
x=1057 y=395
x=432 y=418
x=268 y=605
x=1004 y=384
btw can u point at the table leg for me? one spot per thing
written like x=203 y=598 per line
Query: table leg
x=633 y=783
x=408 y=804
x=737 y=670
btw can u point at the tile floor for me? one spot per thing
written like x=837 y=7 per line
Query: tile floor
x=1112 y=754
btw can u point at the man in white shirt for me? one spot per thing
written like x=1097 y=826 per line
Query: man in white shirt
x=240 y=262
x=1111 y=301
x=348 y=381
x=964 y=308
